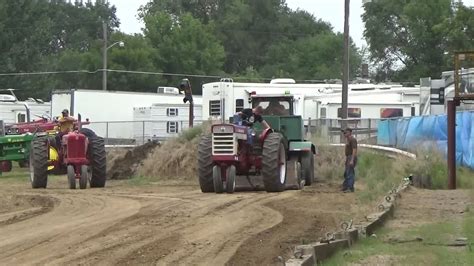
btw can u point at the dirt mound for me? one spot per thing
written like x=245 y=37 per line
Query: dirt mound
x=176 y=158
x=125 y=166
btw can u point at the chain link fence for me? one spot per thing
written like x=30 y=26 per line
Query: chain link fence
x=135 y=133
x=329 y=130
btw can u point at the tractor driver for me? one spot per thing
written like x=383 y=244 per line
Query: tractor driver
x=66 y=122
x=66 y=125
x=248 y=117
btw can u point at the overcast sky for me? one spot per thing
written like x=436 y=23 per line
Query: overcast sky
x=331 y=11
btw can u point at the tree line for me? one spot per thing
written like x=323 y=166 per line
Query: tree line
x=248 y=40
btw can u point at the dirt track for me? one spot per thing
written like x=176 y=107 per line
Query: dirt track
x=161 y=225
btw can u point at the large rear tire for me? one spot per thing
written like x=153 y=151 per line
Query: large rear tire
x=274 y=162
x=39 y=162
x=98 y=162
x=205 y=164
x=307 y=163
x=88 y=132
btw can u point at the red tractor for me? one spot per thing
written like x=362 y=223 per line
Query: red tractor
x=277 y=155
x=80 y=154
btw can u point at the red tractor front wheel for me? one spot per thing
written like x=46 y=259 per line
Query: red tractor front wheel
x=84 y=177
x=71 y=177
x=217 y=179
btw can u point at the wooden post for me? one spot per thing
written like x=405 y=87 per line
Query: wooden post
x=451 y=144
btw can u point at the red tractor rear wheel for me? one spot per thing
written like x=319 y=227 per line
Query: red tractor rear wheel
x=39 y=162
x=205 y=164
x=274 y=163
x=98 y=163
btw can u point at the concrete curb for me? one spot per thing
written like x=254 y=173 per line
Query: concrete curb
x=313 y=253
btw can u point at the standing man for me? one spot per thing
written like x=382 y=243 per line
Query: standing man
x=351 y=161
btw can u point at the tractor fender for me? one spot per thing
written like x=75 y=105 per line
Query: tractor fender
x=265 y=134
x=302 y=146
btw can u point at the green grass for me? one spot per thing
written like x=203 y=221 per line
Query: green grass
x=16 y=174
x=415 y=253
x=192 y=133
x=141 y=181
x=431 y=164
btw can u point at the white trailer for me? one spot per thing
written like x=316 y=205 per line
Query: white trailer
x=163 y=121
x=223 y=99
x=111 y=113
x=373 y=104
x=14 y=111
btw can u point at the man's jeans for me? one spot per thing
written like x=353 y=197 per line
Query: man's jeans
x=349 y=174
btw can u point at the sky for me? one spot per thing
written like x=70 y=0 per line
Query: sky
x=331 y=11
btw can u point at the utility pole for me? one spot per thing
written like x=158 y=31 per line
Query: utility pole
x=185 y=86
x=345 y=72
x=104 y=57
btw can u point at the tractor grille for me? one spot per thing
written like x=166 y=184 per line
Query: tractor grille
x=223 y=144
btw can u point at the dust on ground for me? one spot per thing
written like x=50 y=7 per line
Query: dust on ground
x=121 y=225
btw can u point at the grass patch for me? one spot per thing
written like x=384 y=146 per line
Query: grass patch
x=17 y=174
x=376 y=174
x=140 y=181
x=190 y=134
x=375 y=250
x=431 y=164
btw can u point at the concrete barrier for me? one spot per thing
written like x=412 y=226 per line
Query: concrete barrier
x=313 y=253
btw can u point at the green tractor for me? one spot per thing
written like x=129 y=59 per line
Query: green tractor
x=13 y=148
x=277 y=154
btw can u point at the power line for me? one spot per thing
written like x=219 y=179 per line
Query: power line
x=141 y=73
x=48 y=73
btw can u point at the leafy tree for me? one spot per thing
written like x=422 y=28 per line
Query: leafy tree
x=183 y=45
x=408 y=39
x=311 y=58
x=34 y=34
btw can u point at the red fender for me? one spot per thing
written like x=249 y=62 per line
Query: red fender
x=264 y=135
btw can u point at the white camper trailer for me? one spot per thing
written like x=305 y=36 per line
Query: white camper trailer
x=14 y=111
x=223 y=99
x=111 y=113
x=163 y=121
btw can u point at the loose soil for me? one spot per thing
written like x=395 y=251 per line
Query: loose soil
x=124 y=164
x=123 y=225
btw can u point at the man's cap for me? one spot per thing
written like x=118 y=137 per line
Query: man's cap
x=346 y=130
x=65 y=111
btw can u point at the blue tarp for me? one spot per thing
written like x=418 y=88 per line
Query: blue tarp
x=428 y=131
